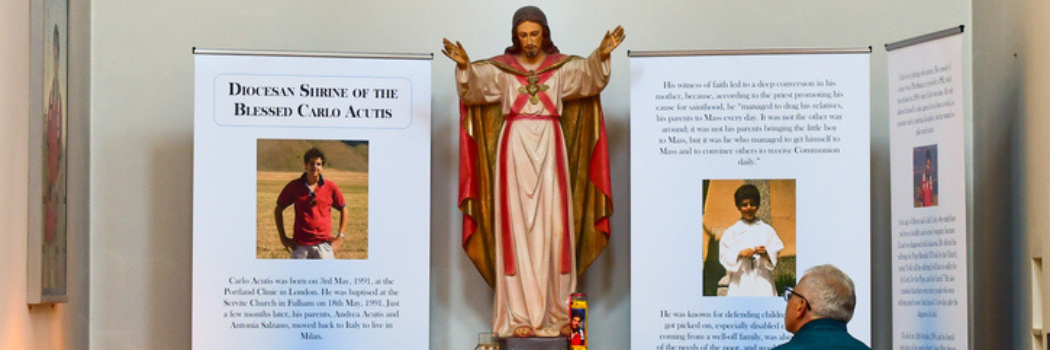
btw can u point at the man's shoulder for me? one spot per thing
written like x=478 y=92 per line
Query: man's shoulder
x=331 y=185
x=823 y=336
x=289 y=192
x=851 y=344
x=292 y=183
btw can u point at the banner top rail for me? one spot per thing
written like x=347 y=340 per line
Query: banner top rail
x=926 y=37
x=319 y=54
x=731 y=52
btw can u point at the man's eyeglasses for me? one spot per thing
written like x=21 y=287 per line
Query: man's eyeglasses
x=788 y=292
x=313 y=199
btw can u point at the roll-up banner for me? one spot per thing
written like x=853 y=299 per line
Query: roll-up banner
x=929 y=192
x=766 y=150
x=311 y=200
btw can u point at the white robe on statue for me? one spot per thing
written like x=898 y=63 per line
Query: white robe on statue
x=750 y=276
x=538 y=201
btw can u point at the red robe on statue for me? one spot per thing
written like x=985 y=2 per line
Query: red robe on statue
x=534 y=182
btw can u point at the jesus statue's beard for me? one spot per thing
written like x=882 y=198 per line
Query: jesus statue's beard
x=532 y=53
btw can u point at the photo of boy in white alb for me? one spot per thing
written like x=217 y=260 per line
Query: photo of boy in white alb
x=749 y=248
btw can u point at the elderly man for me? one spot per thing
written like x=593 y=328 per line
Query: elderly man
x=818 y=309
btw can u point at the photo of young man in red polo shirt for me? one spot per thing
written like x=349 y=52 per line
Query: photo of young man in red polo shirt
x=313 y=198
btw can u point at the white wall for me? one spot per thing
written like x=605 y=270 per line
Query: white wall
x=1036 y=169
x=142 y=137
x=44 y=327
x=1000 y=272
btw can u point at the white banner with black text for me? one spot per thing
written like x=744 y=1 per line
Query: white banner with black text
x=311 y=202
x=747 y=169
x=928 y=196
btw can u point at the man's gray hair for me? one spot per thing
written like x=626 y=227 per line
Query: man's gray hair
x=830 y=293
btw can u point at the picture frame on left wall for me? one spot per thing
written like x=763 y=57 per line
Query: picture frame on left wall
x=47 y=242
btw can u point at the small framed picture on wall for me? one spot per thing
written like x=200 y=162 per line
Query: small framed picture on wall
x=47 y=261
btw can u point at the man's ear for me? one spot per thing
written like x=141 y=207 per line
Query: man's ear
x=800 y=309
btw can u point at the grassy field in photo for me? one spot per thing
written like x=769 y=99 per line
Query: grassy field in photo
x=354 y=185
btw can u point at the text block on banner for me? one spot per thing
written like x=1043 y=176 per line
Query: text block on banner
x=738 y=152
x=928 y=195
x=311 y=202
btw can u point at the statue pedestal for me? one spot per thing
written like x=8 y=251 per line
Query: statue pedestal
x=556 y=343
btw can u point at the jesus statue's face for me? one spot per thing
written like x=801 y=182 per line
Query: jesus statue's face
x=530 y=36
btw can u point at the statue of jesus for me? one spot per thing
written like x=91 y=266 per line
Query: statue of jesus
x=534 y=172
